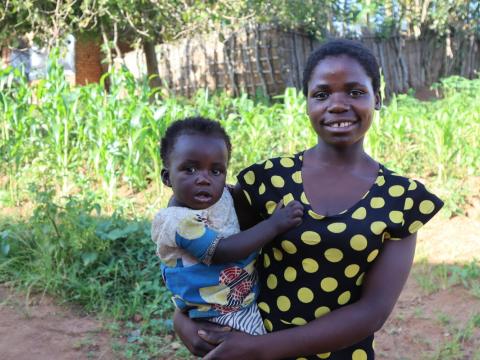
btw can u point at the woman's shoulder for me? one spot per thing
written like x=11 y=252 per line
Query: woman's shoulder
x=270 y=166
x=400 y=186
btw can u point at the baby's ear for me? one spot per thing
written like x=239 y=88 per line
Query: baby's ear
x=165 y=175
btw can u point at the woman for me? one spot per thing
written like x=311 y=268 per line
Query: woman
x=329 y=284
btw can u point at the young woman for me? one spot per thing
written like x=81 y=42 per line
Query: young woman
x=330 y=283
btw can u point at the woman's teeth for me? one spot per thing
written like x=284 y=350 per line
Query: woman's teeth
x=342 y=124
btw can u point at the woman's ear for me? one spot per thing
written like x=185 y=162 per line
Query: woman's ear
x=378 y=101
x=165 y=175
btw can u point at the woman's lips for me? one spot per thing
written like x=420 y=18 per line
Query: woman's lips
x=340 y=126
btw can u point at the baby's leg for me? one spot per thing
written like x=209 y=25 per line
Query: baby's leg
x=247 y=320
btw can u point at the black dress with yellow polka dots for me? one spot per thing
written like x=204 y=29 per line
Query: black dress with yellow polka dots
x=319 y=266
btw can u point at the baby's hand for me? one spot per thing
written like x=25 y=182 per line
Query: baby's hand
x=286 y=217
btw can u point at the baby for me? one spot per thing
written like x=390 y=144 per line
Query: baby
x=207 y=263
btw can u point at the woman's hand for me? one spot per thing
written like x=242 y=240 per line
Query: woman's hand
x=233 y=345
x=187 y=330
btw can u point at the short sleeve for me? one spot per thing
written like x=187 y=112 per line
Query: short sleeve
x=196 y=238
x=419 y=207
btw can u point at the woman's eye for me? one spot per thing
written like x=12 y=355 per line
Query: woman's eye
x=356 y=93
x=322 y=95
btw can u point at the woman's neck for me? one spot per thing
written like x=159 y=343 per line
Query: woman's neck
x=348 y=156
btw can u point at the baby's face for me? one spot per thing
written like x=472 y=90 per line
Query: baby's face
x=198 y=169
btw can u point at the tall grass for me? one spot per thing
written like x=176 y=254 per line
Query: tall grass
x=71 y=136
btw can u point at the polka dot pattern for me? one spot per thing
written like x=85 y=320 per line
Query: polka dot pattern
x=320 y=265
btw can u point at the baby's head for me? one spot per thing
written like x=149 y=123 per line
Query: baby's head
x=195 y=153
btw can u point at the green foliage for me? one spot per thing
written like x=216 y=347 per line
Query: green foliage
x=79 y=137
x=68 y=249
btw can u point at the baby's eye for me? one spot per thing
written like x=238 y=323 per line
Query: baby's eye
x=190 y=170
x=356 y=93
x=321 y=95
x=216 y=172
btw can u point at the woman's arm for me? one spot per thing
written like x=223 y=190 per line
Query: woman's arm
x=336 y=330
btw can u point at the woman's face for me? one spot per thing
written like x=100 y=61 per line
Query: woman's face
x=341 y=101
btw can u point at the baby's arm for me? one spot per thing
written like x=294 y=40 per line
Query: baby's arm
x=239 y=246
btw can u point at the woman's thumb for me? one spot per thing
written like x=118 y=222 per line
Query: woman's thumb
x=211 y=337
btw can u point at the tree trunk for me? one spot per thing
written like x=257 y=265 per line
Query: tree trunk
x=152 y=64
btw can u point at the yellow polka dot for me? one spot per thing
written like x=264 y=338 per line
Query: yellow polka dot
x=268 y=325
x=270 y=206
x=351 y=270
x=360 y=213
x=286 y=162
x=380 y=180
x=277 y=181
x=277 y=254
x=328 y=284
x=396 y=216
x=414 y=226
x=299 y=321
x=264 y=306
x=268 y=165
x=297 y=177
x=413 y=185
x=305 y=295
x=249 y=177
x=272 y=281
x=358 y=242
x=314 y=215
x=408 y=204
x=266 y=260
x=396 y=190
x=309 y=265
x=372 y=255
x=377 y=227
x=427 y=207
x=337 y=228
x=359 y=354
x=323 y=356
x=310 y=238
x=322 y=310
x=283 y=303
x=303 y=198
x=301 y=358
x=344 y=298
x=290 y=274
x=248 y=197
x=333 y=255
x=189 y=228
x=287 y=198
x=377 y=202
x=289 y=247
x=360 y=279
x=261 y=189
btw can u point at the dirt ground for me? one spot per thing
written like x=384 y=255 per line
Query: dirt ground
x=422 y=325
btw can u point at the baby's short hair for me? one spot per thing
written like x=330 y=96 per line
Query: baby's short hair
x=191 y=125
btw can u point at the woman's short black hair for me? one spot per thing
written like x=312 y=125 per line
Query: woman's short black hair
x=338 y=47
x=191 y=125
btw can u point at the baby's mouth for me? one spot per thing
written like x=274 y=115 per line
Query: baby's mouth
x=203 y=196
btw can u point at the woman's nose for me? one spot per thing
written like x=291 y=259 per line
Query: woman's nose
x=337 y=103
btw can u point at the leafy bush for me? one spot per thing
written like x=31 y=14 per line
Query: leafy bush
x=68 y=249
